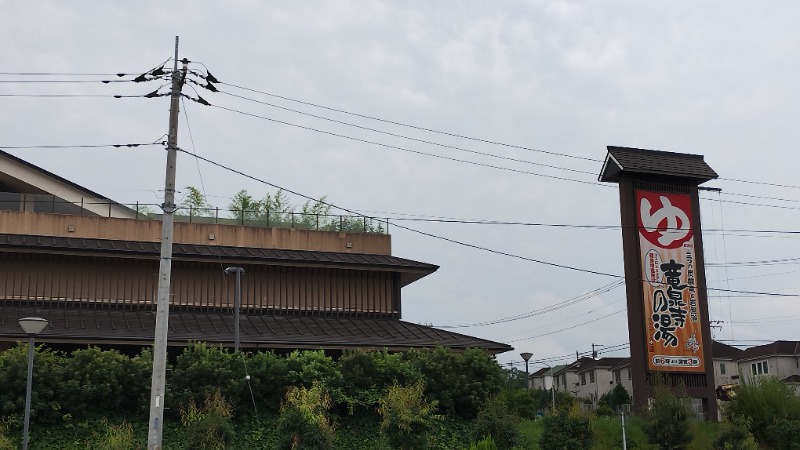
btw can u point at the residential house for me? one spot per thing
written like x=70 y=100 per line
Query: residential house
x=567 y=379
x=621 y=374
x=596 y=379
x=89 y=266
x=780 y=359
x=725 y=366
x=543 y=378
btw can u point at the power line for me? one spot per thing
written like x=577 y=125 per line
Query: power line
x=17 y=147
x=408 y=137
x=478 y=247
x=788 y=186
x=569 y=328
x=430 y=130
x=540 y=311
x=433 y=155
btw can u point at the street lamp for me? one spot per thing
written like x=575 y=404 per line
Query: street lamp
x=527 y=356
x=32 y=326
x=237 y=303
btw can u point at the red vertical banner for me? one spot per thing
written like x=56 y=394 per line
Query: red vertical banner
x=667 y=257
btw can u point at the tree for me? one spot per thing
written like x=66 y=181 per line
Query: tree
x=667 y=423
x=617 y=397
x=195 y=203
x=498 y=421
x=566 y=429
x=245 y=208
x=407 y=417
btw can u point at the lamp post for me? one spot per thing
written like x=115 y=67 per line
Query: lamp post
x=527 y=356
x=32 y=326
x=237 y=303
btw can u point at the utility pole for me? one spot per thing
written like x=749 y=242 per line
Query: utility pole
x=158 y=386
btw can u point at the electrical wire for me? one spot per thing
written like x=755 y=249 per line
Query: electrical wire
x=140 y=144
x=409 y=137
x=544 y=310
x=430 y=130
x=418 y=152
x=474 y=246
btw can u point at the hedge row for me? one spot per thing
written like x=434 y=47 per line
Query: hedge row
x=91 y=383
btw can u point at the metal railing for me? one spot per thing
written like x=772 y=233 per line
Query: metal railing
x=45 y=203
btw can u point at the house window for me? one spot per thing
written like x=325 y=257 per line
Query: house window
x=564 y=380
x=583 y=378
x=617 y=377
x=591 y=376
x=629 y=373
x=722 y=368
x=759 y=368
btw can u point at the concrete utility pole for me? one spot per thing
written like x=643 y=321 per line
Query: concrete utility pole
x=158 y=386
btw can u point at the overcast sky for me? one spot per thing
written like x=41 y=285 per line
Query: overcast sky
x=569 y=78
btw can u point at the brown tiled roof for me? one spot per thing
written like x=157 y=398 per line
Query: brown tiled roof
x=627 y=161
x=720 y=350
x=777 y=348
x=601 y=363
x=409 y=270
x=116 y=326
x=541 y=372
x=575 y=366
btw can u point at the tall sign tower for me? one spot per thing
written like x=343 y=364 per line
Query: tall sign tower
x=662 y=244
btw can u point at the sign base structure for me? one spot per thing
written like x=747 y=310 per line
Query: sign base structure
x=668 y=321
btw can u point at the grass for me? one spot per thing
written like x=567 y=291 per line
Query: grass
x=607 y=434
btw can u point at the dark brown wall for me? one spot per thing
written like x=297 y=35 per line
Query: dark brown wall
x=130 y=282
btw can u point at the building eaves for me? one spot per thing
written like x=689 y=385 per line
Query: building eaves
x=409 y=270
x=119 y=326
x=628 y=161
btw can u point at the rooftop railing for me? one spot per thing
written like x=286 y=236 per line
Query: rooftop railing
x=45 y=203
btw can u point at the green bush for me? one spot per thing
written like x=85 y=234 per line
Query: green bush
x=667 y=423
x=105 y=382
x=407 y=418
x=784 y=434
x=460 y=381
x=312 y=366
x=209 y=426
x=764 y=401
x=48 y=381
x=268 y=380
x=366 y=374
x=201 y=370
x=734 y=434
x=565 y=430
x=496 y=420
x=303 y=423
x=115 y=437
x=522 y=402
x=486 y=443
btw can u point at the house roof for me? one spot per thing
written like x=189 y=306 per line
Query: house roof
x=601 y=363
x=541 y=372
x=623 y=362
x=409 y=270
x=627 y=161
x=22 y=176
x=575 y=366
x=720 y=350
x=117 y=326
x=777 y=348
